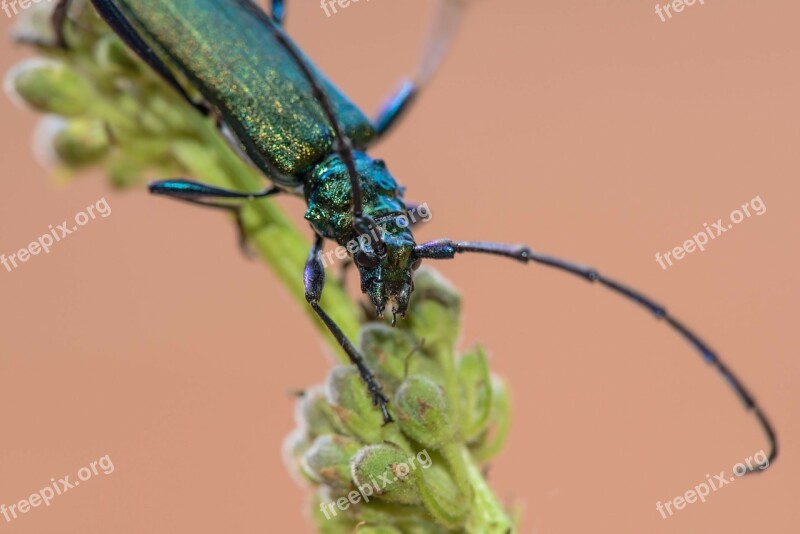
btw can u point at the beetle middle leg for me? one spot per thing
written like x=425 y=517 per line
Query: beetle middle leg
x=443 y=29
x=314 y=278
x=198 y=194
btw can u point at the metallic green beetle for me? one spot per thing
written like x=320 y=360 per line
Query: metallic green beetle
x=310 y=140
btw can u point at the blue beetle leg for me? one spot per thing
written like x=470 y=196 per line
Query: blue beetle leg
x=395 y=107
x=442 y=31
x=181 y=188
x=446 y=249
x=109 y=11
x=314 y=280
x=197 y=193
x=278 y=12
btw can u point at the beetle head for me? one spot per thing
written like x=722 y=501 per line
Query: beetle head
x=387 y=275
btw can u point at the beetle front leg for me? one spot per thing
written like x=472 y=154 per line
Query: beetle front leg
x=314 y=280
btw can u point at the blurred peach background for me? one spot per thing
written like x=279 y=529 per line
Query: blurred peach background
x=590 y=130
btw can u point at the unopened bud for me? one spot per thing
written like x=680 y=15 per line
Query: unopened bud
x=386 y=468
x=81 y=142
x=422 y=412
x=50 y=86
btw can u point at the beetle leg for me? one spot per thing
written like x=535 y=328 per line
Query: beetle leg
x=314 y=279
x=181 y=188
x=443 y=29
x=278 y=12
x=197 y=193
x=445 y=249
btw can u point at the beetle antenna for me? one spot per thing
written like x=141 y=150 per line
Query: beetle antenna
x=444 y=249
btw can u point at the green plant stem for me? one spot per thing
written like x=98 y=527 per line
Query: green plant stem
x=488 y=515
x=279 y=244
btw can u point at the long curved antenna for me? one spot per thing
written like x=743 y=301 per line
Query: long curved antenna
x=446 y=249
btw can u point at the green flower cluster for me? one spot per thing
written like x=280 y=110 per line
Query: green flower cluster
x=106 y=109
x=451 y=416
x=103 y=106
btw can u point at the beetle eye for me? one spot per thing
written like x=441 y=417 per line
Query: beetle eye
x=366 y=260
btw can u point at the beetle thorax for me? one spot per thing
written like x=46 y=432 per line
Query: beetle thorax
x=329 y=197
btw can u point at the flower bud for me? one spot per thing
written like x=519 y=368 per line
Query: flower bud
x=314 y=414
x=81 y=142
x=387 y=349
x=327 y=461
x=386 y=471
x=441 y=496
x=34 y=24
x=386 y=529
x=124 y=173
x=434 y=310
x=476 y=385
x=422 y=412
x=492 y=441
x=294 y=447
x=51 y=86
x=112 y=54
x=352 y=404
